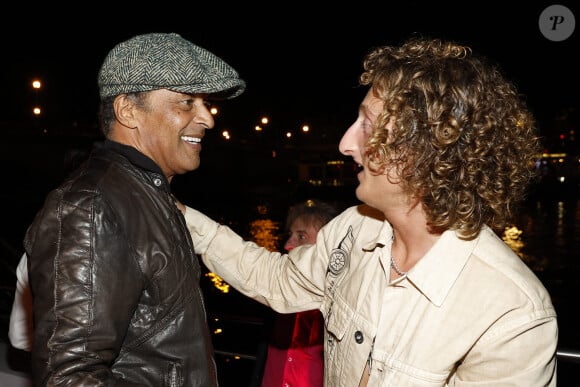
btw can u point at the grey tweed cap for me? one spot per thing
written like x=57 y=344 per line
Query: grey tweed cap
x=166 y=61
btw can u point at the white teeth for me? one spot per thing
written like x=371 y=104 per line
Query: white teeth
x=192 y=140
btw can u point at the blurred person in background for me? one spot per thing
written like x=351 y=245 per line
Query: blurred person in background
x=415 y=285
x=296 y=341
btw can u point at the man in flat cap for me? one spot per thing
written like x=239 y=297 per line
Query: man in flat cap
x=115 y=282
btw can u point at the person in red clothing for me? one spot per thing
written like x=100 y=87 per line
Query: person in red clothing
x=295 y=354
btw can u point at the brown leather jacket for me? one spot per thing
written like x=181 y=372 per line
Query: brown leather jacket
x=115 y=281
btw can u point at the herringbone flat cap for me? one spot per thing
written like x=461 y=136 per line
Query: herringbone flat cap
x=166 y=61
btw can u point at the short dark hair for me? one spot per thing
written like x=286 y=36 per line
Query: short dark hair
x=107 y=109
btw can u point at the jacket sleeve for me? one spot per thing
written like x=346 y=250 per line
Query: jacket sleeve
x=202 y=229
x=85 y=287
x=487 y=363
x=286 y=283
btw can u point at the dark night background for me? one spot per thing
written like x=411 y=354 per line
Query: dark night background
x=300 y=60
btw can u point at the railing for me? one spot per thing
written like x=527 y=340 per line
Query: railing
x=235 y=354
x=568 y=356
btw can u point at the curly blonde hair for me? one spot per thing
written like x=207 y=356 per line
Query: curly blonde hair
x=463 y=141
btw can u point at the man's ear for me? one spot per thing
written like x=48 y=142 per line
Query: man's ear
x=125 y=111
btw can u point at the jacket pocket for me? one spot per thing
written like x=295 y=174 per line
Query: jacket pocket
x=390 y=371
x=338 y=318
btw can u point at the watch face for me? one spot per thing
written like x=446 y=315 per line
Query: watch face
x=337 y=261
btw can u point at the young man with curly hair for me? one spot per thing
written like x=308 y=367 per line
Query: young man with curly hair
x=415 y=286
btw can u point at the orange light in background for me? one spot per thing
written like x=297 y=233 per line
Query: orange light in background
x=265 y=233
x=218 y=282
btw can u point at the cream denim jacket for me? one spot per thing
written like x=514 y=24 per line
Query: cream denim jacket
x=468 y=313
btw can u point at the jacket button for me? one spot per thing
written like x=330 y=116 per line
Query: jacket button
x=358 y=337
x=157 y=182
